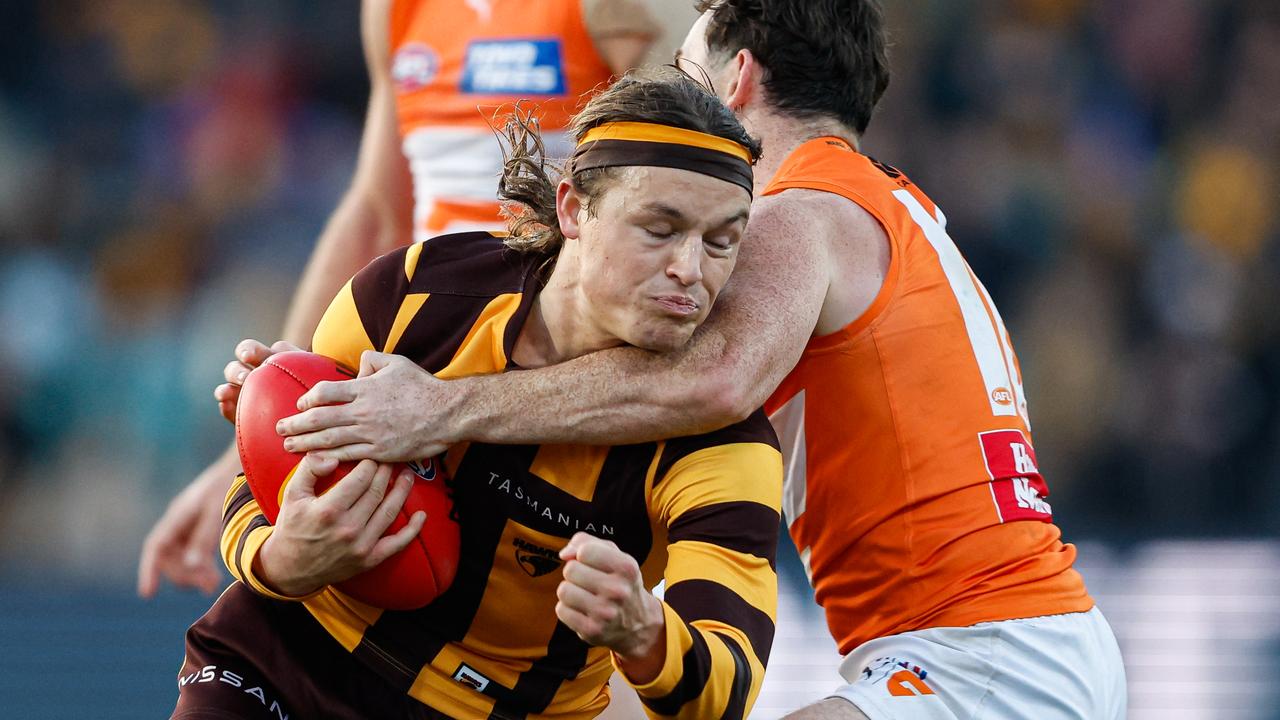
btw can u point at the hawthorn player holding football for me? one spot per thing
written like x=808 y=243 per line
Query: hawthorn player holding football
x=560 y=543
x=426 y=165
x=913 y=491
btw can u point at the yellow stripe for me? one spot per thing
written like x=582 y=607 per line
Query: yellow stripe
x=411 y=260
x=345 y=618
x=747 y=576
x=408 y=309
x=482 y=351
x=284 y=484
x=678 y=642
x=231 y=533
x=236 y=484
x=252 y=546
x=341 y=334
x=441 y=693
x=652 y=132
x=721 y=473
x=574 y=469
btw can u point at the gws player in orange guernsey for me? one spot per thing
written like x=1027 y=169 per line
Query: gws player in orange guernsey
x=559 y=542
x=913 y=490
x=427 y=163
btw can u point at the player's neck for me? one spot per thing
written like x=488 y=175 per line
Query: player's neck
x=558 y=326
x=782 y=134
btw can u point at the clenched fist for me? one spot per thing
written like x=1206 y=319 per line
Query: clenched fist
x=603 y=599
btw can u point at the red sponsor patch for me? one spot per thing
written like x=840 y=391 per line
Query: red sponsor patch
x=1017 y=488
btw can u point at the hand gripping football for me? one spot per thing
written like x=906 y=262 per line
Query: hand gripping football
x=407 y=580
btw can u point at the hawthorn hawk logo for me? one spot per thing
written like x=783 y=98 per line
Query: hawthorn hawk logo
x=535 y=559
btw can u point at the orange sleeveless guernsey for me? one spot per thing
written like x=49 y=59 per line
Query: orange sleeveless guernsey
x=912 y=489
x=454 y=65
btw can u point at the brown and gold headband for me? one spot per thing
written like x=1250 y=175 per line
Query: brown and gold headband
x=619 y=144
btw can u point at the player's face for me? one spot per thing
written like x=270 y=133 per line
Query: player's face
x=656 y=252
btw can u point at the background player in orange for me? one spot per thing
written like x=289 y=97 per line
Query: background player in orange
x=427 y=163
x=559 y=542
x=913 y=491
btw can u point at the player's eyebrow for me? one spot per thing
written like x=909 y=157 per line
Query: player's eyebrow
x=667 y=211
x=664 y=210
x=740 y=215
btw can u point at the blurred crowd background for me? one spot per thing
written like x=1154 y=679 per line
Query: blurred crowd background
x=1110 y=168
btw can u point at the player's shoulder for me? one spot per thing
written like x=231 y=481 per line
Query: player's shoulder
x=474 y=264
x=755 y=431
x=809 y=211
x=805 y=230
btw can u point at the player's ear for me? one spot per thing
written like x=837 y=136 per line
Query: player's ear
x=569 y=206
x=744 y=81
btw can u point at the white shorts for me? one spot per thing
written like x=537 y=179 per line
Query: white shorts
x=1048 y=668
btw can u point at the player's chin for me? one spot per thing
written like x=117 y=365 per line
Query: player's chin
x=665 y=335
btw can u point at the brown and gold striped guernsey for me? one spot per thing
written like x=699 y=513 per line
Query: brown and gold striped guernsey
x=699 y=512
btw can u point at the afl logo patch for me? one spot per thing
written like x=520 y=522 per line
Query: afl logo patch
x=424 y=469
x=414 y=67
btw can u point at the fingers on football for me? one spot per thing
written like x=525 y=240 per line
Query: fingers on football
x=328 y=392
x=347 y=491
x=346 y=453
x=228 y=396
x=394 y=543
x=280 y=346
x=371 y=361
x=235 y=372
x=314 y=420
x=303 y=482
x=252 y=353
x=370 y=507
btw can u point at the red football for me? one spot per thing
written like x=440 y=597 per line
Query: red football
x=407 y=580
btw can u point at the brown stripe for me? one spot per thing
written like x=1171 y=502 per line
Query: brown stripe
x=745 y=527
x=242 y=497
x=708 y=600
x=623 y=153
x=461 y=274
x=378 y=290
x=531 y=287
x=695 y=670
x=474 y=264
x=257 y=522
x=385 y=665
x=755 y=429
x=736 y=707
x=434 y=335
x=565 y=657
